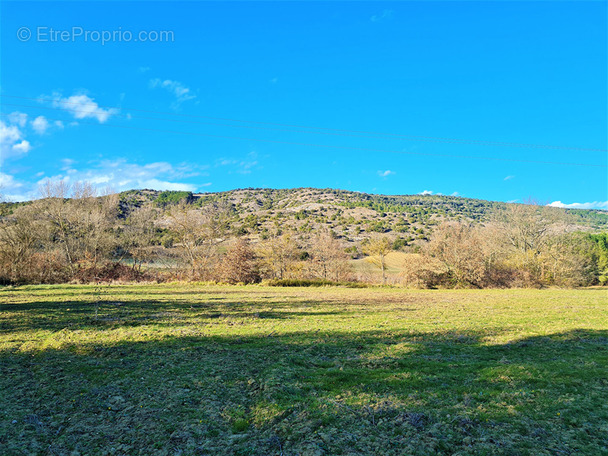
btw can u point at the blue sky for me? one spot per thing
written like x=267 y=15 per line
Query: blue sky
x=206 y=107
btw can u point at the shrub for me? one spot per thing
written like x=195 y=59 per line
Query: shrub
x=312 y=283
x=111 y=272
x=239 y=264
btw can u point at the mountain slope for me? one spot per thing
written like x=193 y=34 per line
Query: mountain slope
x=352 y=216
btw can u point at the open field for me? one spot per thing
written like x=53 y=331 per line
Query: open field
x=195 y=370
x=394 y=265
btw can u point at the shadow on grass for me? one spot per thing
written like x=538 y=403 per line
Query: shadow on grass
x=311 y=393
x=78 y=314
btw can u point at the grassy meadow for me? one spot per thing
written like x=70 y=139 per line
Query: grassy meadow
x=186 y=369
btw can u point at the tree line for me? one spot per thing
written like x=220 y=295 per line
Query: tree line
x=73 y=234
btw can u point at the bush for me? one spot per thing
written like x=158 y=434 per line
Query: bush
x=173 y=197
x=312 y=283
x=111 y=272
x=239 y=264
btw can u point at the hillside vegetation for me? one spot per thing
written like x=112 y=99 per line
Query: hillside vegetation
x=248 y=235
x=352 y=215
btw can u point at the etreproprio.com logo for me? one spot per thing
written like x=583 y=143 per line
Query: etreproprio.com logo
x=45 y=34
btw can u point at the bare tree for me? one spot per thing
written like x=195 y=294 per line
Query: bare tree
x=457 y=246
x=198 y=232
x=328 y=257
x=528 y=226
x=55 y=211
x=568 y=260
x=79 y=222
x=377 y=249
x=278 y=255
x=528 y=230
x=21 y=234
x=137 y=234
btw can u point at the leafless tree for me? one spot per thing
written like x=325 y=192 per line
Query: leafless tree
x=278 y=256
x=328 y=257
x=20 y=235
x=377 y=249
x=198 y=232
x=78 y=221
x=457 y=246
x=137 y=234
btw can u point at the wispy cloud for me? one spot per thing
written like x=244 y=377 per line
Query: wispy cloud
x=386 y=173
x=384 y=15
x=240 y=166
x=426 y=192
x=123 y=175
x=82 y=106
x=589 y=205
x=508 y=178
x=18 y=118
x=176 y=88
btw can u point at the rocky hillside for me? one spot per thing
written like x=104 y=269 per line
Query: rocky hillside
x=352 y=216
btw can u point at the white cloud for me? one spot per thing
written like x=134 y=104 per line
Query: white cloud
x=40 y=125
x=9 y=134
x=455 y=194
x=386 y=173
x=426 y=192
x=385 y=14
x=6 y=180
x=83 y=107
x=18 y=118
x=22 y=147
x=590 y=205
x=508 y=178
x=11 y=189
x=123 y=175
x=12 y=142
x=176 y=88
x=156 y=184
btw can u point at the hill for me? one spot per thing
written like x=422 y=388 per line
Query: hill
x=258 y=213
x=352 y=216
x=299 y=233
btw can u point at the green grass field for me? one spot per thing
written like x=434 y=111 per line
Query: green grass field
x=214 y=370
